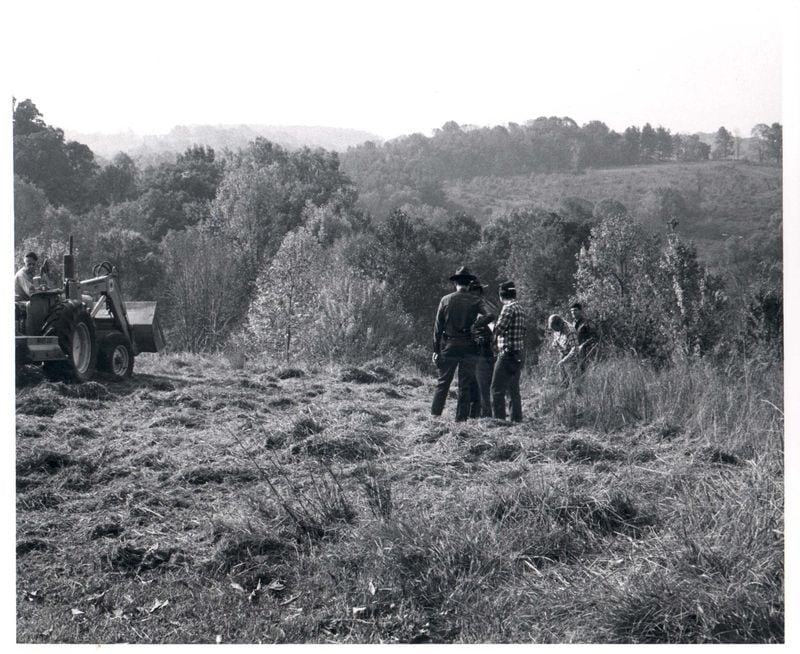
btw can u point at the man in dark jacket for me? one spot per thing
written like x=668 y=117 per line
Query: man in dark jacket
x=453 y=346
x=480 y=396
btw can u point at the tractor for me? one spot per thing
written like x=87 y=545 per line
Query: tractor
x=85 y=326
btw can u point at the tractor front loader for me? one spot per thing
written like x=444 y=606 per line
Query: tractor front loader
x=85 y=326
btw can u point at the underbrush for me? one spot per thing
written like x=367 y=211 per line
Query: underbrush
x=738 y=407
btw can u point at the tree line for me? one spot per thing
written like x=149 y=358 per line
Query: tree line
x=412 y=168
x=270 y=250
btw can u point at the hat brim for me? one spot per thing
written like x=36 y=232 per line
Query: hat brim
x=463 y=278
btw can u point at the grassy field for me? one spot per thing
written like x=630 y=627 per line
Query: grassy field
x=206 y=502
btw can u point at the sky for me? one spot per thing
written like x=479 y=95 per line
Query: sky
x=394 y=68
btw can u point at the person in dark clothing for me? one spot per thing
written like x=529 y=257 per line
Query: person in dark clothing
x=480 y=394
x=509 y=334
x=585 y=334
x=453 y=347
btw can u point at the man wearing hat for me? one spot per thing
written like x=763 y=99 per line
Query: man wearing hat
x=509 y=334
x=453 y=346
x=481 y=397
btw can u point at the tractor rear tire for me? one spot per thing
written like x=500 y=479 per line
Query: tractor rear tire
x=115 y=356
x=73 y=325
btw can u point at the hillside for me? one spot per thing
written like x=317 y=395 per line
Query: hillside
x=722 y=198
x=205 y=502
x=220 y=137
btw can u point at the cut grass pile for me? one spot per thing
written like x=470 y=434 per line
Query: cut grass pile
x=199 y=502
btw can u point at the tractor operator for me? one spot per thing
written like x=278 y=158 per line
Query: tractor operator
x=24 y=285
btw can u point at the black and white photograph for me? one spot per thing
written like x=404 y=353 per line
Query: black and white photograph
x=363 y=323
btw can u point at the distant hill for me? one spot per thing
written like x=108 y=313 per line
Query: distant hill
x=220 y=137
x=722 y=198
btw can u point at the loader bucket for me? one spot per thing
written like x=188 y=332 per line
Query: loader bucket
x=146 y=331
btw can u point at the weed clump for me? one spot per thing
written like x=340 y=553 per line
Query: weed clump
x=290 y=373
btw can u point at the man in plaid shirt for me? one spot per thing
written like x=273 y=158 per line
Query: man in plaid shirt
x=509 y=334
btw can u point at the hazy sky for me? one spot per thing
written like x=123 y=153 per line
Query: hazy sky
x=397 y=67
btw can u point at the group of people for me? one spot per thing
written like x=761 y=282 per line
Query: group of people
x=576 y=343
x=489 y=361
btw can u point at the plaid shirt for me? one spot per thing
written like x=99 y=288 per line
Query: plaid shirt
x=564 y=341
x=510 y=328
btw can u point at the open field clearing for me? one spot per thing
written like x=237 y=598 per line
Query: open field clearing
x=201 y=502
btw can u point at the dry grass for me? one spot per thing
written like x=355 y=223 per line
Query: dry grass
x=212 y=498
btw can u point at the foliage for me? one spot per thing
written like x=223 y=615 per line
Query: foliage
x=358 y=319
x=206 y=288
x=135 y=258
x=616 y=277
x=64 y=170
x=287 y=296
x=267 y=192
x=397 y=252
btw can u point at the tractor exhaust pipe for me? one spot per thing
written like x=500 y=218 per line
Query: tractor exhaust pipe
x=71 y=289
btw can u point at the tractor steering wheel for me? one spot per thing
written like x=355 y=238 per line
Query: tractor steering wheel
x=104 y=268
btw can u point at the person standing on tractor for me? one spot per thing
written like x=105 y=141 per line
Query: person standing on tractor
x=24 y=285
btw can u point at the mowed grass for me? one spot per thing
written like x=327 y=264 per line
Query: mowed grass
x=202 y=502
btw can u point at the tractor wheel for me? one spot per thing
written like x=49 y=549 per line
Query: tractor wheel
x=74 y=327
x=115 y=356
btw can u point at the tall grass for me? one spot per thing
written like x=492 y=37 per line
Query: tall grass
x=739 y=407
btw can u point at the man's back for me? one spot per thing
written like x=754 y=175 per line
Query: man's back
x=457 y=313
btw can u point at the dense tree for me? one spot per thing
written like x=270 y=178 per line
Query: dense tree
x=287 y=299
x=631 y=146
x=723 y=144
x=775 y=142
x=65 y=171
x=205 y=298
x=648 y=144
x=690 y=148
x=760 y=135
x=664 y=144
x=615 y=276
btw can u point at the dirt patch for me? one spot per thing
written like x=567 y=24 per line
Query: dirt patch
x=37 y=499
x=48 y=461
x=206 y=474
x=584 y=450
x=190 y=420
x=29 y=376
x=282 y=402
x=359 y=376
x=343 y=448
x=290 y=373
x=31 y=431
x=27 y=545
x=86 y=391
x=718 y=456
x=82 y=432
x=39 y=406
x=130 y=559
x=105 y=530
x=158 y=384
x=305 y=427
